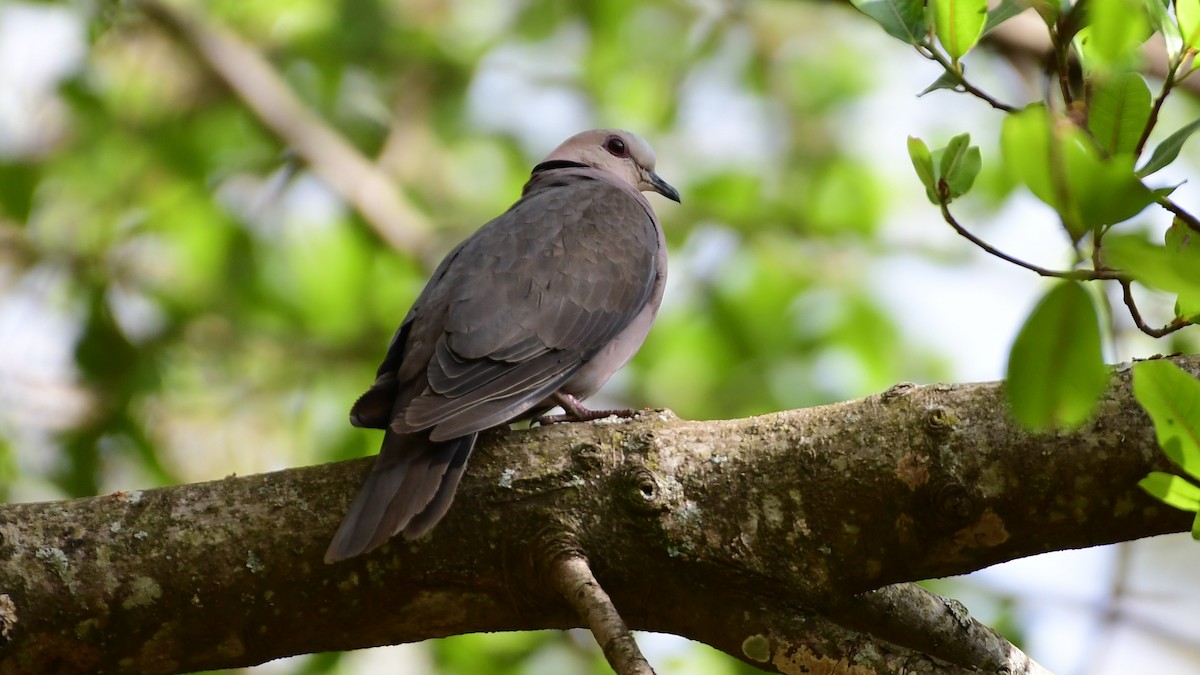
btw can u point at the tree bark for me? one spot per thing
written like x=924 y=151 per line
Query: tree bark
x=765 y=537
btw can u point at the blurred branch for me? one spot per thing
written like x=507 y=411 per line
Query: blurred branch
x=768 y=538
x=352 y=176
x=1024 y=37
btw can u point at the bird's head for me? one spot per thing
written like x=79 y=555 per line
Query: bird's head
x=618 y=152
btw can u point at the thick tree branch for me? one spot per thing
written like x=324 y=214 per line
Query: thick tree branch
x=751 y=535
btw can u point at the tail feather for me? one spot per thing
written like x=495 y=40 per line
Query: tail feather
x=440 y=504
x=409 y=489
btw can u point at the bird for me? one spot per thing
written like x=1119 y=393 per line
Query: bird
x=538 y=308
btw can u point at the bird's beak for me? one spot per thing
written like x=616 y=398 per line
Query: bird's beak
x=662 y=187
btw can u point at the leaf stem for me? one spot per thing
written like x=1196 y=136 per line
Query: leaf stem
x=1062 y=64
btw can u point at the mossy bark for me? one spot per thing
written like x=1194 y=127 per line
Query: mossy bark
x=760 y=536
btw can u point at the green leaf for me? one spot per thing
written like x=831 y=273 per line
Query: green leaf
x=1172 y=490
x=959 y=23
x=1183 y=245
x=1168 y=150
x=953 y=153
x=947 y=172
x=1108 y=190
x=1056 y=372
x=1047 y=9
x=922 y=161
x=1118 y=111
x=1063 y=168
x=958 y=165
x=18 y=182
x=946 y=80
x=1025 y=146
x=1162 y=21
x=902 y=19
x=1002 y=12
x=1172 y=398
x=1115 y=29
x=1160 y=267
x=1196 y=528
x=1188 y=14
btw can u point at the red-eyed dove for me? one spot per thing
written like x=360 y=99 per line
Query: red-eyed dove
x=538 y=308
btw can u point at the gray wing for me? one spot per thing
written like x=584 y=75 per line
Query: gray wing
x=522 y=305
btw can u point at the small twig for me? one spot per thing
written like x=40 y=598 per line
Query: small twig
x=1078 y=275
x=934 y=55
x=1062 y=64
x=1127 y=294
x=572 y=577
x=1187 y=218
x=1168 y=84
x=254 y=80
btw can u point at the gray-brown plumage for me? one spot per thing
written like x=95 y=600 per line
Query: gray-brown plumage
x=538 y=308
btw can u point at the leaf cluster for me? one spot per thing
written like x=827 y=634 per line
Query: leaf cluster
x=1081 y=151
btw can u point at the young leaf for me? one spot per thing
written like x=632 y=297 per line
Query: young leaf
x=1162 y=21
x=1188 y=13
x=946 y=80
x=1002 y=12
x=902 y=19
x=959 y=165
x=1172 y=490
x=947 y=172
x=1055 y=371
x=959 y=23
x=1115 y=29
x=1168 y=150
x=1172 y=398
x=922 y=162
x=1119 y=110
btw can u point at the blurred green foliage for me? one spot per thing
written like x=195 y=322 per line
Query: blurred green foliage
x=222 y=308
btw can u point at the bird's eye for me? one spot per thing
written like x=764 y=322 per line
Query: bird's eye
x=616 y=147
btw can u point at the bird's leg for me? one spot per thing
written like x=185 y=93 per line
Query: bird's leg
x=574 y=411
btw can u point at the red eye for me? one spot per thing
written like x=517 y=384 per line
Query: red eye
x=616 y=147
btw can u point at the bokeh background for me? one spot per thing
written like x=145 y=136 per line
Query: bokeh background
x=182 y=297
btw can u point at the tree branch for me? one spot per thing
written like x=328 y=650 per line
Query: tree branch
x=1131 y=303
x=751 y=535
x=253 y=79
x=1078 y=275
x=572 y=577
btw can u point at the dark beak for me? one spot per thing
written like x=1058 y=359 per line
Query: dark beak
x=662 y=187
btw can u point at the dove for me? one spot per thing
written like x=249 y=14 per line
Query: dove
x=538 y=308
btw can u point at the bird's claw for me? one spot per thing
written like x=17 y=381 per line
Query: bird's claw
x=584 y=415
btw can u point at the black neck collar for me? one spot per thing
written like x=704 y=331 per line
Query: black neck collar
x=558 y=164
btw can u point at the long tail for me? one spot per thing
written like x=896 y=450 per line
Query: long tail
x=408 y=490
